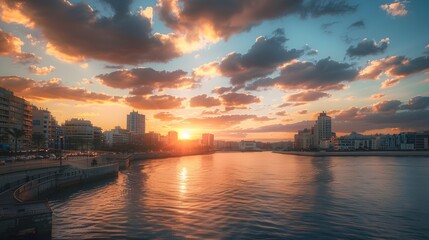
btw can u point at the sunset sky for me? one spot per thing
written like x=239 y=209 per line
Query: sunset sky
x=241 y=69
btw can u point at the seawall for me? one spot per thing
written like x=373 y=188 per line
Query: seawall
x=359 y=153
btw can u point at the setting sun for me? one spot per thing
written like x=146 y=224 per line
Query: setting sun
x=184 y=135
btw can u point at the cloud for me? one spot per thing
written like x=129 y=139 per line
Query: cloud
x=325 y=74
x=52 y=89
x=238 y=99
x=417 y=103
x=143 y=81
x=223 y=121
x=215 y=19
x=204 y=101
x=114 y=66
x=390 y=82
x=166 y=117
x=282 y=114
x=396 y=8
x=326 y=27
x=10 y=46
x=387 y=106
x=41 y=70
x=291 y=104
x=395 y=67
x=357 y=24
x=124 y=38
x=221 y=90
x=368 y=47
x=377 y=95
x=307 y=96
x=154 y=102
x=261 y=59
x=363 y=119
x=263 y=119
x=302 y=112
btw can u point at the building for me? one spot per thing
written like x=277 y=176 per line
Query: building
x=322 y=128
x=152 y=139
x=172 y=138
x=43 y=123
x=116 y=136
x=248 y=146
x=136 y=123
x=79 y=134
x=207 y=140
x=98 y=137
x=304 y=140
x=15 y=113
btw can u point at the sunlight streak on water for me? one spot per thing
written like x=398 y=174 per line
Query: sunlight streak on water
x=252 y=196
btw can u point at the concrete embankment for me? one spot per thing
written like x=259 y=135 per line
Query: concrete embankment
x=359 y=153
x=24 y=216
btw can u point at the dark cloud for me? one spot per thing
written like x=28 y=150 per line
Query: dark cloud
x=222 y=18
x=261 y=60
x=114 y=66
x=144 y=81
x=326 y=27
x=412 y=66
x=282 y=113
x=317 y=8
x=387 y=106
x=166 y=117
x=238 y=99
x=368 y=47
x=302 y=112
x=16 y=84
x=123 y=38
x=357 y=24
x=417 y=103
x=52 y=89
x=204 y=101
x=221 y=90
x=326 y=74
x=307 y=96
x=154 y=102
x=10 y=46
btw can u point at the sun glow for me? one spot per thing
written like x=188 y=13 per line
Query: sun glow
x=184 y=135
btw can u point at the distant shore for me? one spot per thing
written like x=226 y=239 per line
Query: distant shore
x=359 y=153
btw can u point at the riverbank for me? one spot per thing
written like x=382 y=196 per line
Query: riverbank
x=359 y=153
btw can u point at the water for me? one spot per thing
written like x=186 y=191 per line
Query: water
x=252 y=196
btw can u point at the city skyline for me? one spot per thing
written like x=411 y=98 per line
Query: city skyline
x=257 y=70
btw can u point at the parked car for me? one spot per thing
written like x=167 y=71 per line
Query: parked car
x=2 y=162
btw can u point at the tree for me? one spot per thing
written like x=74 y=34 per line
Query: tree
x=38 y=139
x=16 y=134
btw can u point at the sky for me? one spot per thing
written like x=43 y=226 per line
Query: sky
x=240 y=69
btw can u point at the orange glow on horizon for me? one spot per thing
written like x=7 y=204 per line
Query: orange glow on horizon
x=184 y=135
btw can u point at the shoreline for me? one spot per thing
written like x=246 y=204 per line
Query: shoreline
x=358 y=154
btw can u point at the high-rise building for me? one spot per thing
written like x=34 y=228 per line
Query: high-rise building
x=207 y=140
x=136 y=122
x=15 y=113
x=322 y=128
x=79 y=134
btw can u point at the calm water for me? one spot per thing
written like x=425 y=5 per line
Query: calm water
x=252 y=196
